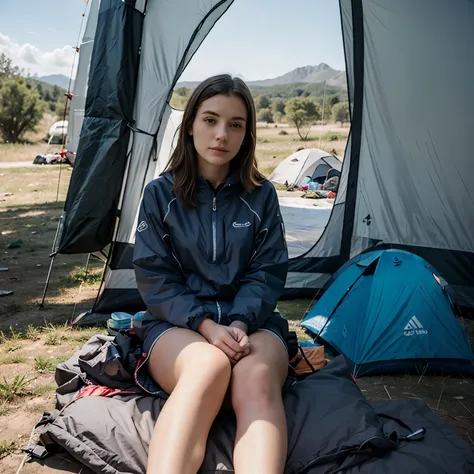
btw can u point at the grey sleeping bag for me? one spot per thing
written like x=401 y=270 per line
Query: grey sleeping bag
x=332 y=427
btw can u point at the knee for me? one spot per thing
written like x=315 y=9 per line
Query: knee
x=209 y=368
x=254 y=386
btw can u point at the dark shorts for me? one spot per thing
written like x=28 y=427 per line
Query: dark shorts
x=275 y=324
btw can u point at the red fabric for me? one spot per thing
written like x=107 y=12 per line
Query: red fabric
x=100 y=391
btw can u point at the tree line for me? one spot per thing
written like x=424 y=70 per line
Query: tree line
x=299 y=105
x=24 y=100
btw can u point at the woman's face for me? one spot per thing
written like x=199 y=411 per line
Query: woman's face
x=219 y=130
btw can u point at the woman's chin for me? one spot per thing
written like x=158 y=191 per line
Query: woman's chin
x=217 y=160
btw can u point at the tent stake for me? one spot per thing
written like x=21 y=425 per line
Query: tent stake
x=47 y=281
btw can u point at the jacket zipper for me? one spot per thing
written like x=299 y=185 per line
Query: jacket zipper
x=214 y=224
x=219 y=312
x=214 y=229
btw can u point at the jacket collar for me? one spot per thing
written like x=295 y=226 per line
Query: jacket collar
x=232 y=178
x=203 y=185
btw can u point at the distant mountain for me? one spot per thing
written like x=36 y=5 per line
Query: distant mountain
x=312 y=74
x=57 y=80
x=307 y=74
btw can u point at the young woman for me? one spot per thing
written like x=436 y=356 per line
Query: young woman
x=211 y=262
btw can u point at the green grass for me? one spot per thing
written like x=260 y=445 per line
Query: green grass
x=48 y=364
x=295 y=309
x=7 y=448
x=329 y=137
x=33 y=333
x=10 y=389
x=82 y=335
x=15 y=359
x=44 y=364
x=90 y=278
x=14 y=335
x=54 y=339
x=12 y=346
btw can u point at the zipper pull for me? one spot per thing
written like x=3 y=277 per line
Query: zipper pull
x=214 y=205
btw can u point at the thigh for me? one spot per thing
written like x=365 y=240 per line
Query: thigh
x=178 y=350
x=268 y=356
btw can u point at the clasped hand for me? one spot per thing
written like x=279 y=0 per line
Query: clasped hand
x=232 y=340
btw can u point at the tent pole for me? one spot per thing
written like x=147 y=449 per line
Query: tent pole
x=87 y=266
x=47 y=281
x=53 y=256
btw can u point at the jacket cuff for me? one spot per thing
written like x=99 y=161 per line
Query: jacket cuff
x=195 y=321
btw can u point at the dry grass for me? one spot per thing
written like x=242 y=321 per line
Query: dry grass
x=28 y=221
x=34 y=144
x=32 y=185
x=14 y=152
x=272 y=147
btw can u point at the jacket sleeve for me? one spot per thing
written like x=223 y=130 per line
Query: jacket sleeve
x=264 y=280
x=158 y=274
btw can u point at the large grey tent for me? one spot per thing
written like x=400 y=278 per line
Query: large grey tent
x=407 y=174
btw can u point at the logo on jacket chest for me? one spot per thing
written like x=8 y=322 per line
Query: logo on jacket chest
x=239 y=225
x=142 y=226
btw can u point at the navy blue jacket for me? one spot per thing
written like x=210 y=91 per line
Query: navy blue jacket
x=225 y=259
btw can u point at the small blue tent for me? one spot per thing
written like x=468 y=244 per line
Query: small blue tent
x=390 y=311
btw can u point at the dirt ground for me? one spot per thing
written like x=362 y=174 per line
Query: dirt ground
x=34 y=339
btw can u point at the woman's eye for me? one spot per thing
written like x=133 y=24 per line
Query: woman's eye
x=237 y=125
x=209 y=120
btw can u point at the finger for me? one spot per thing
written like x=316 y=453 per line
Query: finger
x=244 y=342
x=236 y=333
x=240 y=337
x=230 y=353
x=229 y=340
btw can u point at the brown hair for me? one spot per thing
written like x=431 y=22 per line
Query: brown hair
x=183 y=162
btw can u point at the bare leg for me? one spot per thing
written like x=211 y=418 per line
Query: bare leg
x=261 y=442
x=197 y=375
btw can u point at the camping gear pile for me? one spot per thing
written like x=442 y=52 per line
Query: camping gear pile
x=332 y=427
x=49 y=159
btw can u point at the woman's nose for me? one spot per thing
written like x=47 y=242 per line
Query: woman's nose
x=222 y=133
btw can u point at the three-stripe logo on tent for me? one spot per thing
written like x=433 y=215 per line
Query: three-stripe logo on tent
x=414 y=328
x=413 y=324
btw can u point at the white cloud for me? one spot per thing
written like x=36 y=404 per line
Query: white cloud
x=60 y=58
x=29 y=53
x=29 y=57
x=8 y=46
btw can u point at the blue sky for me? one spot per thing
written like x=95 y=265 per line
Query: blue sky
x=256 y=39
